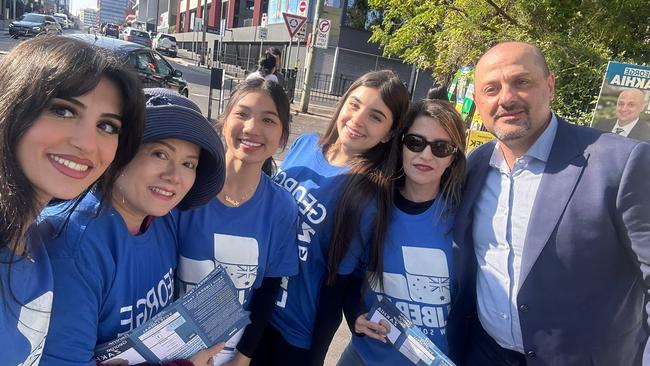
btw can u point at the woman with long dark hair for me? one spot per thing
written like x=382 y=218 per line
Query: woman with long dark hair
x=417 y=265
x=70 y=115
x=250 y=226
x=334 y=178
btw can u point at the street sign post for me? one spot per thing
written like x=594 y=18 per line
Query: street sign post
x=293 y=23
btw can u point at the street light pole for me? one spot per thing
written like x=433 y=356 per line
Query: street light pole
x=203 y=47
x=309 y=73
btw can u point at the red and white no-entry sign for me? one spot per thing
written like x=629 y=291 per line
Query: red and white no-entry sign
x=302 y=8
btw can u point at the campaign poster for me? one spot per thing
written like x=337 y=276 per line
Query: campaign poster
x=622 y=105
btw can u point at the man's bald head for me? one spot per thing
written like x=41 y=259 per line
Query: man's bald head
x=629 y=105
x=534 y=53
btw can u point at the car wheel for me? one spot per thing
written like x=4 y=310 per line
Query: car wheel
x=172 y=55
x=185 y=93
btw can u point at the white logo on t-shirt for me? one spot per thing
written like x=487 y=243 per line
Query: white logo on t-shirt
x=238 y=255
x=424 y=287
x=33 y=323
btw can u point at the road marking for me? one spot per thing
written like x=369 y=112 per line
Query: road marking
x=199 y=95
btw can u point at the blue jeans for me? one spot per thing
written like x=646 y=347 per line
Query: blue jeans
x=350 y=357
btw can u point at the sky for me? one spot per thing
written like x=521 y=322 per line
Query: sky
x=75 y=5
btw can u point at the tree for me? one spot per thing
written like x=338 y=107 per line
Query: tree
x=577 y=37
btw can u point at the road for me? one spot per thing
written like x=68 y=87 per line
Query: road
x=198 y=83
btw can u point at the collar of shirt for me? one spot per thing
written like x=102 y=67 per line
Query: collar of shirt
x=540 y=150
x=627 y=128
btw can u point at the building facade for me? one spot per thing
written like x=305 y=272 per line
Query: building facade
x=88 y=18
x=112 y=11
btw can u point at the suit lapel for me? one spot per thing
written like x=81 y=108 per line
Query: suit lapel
x=564 y=167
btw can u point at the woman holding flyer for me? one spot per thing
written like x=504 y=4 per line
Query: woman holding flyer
x=334 y=178
x=417 y=260
x=114 y=260
x=249 y=228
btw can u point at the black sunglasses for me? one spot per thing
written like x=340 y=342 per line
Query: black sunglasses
x=439 y=148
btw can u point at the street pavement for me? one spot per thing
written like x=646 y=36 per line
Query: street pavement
x=198 y=79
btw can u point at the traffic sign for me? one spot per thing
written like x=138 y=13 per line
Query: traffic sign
x=211 y=29
x=302 y=34
x=263 y=32
x=265 y=20
x=302 y=8
x=324 y=25
x=323 y=34
x=294 y=23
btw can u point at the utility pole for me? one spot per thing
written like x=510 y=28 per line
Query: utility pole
x=309 y=63
x=205 y=24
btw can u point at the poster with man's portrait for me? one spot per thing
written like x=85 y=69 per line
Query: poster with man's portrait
x=623 y=106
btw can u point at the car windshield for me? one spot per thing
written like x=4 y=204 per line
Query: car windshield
x=111 y=26
x=36 y=18
x=171 y=38
x=59 y=18
x=137 y=33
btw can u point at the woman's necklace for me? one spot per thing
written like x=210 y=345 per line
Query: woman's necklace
x=237 y=202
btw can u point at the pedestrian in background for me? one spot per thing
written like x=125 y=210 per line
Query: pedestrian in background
x=114 y=259
x=265 y=70
x=552 y=232
x=278 y=63
x=70 y=115
x=250 y=226
x=419 y=240
x=438 y=91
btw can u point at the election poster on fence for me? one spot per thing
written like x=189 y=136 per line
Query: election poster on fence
x=622 y=105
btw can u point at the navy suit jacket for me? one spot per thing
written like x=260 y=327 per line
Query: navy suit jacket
x=640 y=131
x=586 y=261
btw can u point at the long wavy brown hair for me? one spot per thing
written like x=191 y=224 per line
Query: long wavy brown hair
x=370 y=176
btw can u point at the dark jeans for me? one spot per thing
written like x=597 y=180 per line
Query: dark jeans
x=483 y=350
x=273 y=350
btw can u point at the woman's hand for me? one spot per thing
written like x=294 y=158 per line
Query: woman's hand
x=238 y=360
x=373 y=330
x=204 y=358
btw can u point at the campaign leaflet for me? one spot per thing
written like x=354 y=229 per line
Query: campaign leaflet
x=406 y=337
x=208 y=314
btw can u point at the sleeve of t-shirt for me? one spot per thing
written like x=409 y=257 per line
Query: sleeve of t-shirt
x=283 y=251
x=78 y=283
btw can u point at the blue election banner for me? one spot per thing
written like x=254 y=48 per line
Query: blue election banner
x=623 y=101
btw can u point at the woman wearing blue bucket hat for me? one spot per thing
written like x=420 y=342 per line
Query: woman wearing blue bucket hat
x=114 y=261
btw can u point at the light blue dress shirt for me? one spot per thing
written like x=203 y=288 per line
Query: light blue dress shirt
x=501 y=216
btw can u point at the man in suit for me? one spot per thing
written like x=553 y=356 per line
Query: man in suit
x=552 y=237
x=629 y=105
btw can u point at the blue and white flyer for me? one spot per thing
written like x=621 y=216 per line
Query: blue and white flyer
x=406 y=337
x=208 y=314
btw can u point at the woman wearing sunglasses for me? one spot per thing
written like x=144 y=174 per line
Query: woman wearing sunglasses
x=417 y=255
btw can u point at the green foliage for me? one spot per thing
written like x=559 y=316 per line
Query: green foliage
x=577 y=37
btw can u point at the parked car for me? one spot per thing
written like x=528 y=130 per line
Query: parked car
x=63 y=22
x=136 y=36
x=152 y=67
x=165 y=43
x=111 y=30
x=66 y=20
x=32 y=24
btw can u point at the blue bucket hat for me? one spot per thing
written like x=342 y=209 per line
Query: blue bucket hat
x=169 y=115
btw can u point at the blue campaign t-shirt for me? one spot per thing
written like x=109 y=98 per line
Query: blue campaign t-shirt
x=316 y=185
x=26 y=302
x=418 y=277
x=106 y=280
x=252 y=241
